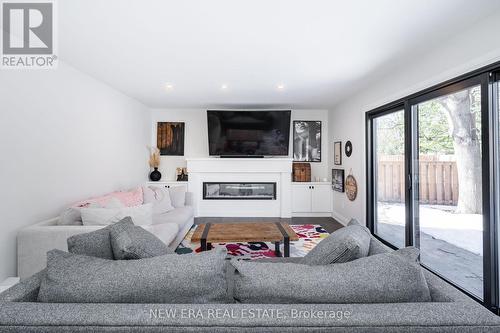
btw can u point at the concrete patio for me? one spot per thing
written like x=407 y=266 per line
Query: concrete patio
x=450 y=244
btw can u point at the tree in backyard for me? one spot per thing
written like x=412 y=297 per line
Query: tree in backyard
x=449 y=125
x=433 y=130
x=462 y=111
x=390 y=134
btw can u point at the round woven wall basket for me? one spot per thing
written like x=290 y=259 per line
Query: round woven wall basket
x=351 y=187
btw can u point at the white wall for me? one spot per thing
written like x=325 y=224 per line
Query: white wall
x=467 y=51
x=63 y=137
x=196 y=136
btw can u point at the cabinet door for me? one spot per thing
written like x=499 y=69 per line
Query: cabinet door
x=321 y=198
x=301 y=198
x=171 y=185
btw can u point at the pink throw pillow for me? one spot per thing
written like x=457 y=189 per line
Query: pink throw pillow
x=72 y=215
x=128 y=198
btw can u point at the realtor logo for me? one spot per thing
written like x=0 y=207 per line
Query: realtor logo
x=28 y=35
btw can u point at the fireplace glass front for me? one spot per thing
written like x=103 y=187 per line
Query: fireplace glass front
x=239 y=191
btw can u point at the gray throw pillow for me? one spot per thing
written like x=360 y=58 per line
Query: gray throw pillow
x=346 y=244
x=94 y=244
x=133 y=242
x=353 y=221
x=394 y=277
x=167 y=279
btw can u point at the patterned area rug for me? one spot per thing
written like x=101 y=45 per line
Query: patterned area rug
x=309 y=236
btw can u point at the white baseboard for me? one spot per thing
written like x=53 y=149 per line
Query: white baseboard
x=340 y=218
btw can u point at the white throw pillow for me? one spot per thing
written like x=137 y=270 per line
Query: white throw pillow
x=70 y=216
x=159 y=197
x=73 y=215
x=178 y=196
x=113 y=203
x=141 y=215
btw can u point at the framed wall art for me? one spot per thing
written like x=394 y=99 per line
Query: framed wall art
x=306 y=141
x=337 y=153
x=170 y=138
x=338 y=180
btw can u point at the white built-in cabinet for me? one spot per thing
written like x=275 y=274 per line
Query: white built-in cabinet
x=169 y=184
x=311 y=199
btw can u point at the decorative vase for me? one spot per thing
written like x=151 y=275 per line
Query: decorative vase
x=155 y=175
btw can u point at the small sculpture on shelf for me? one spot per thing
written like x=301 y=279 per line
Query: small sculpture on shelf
x=154 y=162
x=182 y=175
x=301 y=172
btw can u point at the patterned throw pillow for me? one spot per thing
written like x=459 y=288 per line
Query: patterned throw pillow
x=129 y=198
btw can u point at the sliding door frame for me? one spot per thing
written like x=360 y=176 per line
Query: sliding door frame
x=371 y=169
x=494 y=233
x=491 y=181
x=482 y=81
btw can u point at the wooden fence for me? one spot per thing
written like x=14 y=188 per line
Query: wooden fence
x=438 y=179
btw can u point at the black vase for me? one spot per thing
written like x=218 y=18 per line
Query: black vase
x=155 y=175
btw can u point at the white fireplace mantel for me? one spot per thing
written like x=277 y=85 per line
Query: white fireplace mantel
x=242 y=165
x=278 y=170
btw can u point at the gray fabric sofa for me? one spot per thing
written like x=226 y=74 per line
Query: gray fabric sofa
x=449 y=311
x=34 y=241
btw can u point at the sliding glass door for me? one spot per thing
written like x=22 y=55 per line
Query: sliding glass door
x=389 y=177
x=433 y=180
x=448 y=192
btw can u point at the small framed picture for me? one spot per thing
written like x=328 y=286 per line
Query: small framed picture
x=337 y=153
x=338 y=180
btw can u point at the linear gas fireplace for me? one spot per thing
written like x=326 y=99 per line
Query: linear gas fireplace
x=239 y=191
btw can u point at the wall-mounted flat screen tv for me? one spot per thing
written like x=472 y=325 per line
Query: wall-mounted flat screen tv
x=248 y=133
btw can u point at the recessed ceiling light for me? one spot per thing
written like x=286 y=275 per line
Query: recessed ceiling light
x=280 y=87
x=223 y=87
x=169 y=86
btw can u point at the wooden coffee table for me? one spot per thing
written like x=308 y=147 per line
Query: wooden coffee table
x=210 y=233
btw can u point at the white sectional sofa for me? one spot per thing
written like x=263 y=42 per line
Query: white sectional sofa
x=34 y=241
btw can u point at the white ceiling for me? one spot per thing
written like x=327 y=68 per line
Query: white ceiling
x=318 y=50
